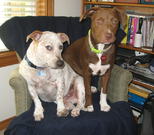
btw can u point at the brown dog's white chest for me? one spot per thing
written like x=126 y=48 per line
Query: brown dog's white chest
x=98 y=68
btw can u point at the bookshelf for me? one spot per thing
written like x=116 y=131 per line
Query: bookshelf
x=135 y=7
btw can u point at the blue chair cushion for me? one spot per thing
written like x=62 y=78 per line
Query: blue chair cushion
x=118 y=121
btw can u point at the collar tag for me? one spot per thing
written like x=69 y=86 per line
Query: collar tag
x=103 y=58
x=42 y=73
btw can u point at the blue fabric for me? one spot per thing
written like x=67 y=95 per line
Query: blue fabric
x=14 y=31
x=118 y=121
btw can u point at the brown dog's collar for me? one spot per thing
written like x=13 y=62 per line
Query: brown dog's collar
x=92 y=47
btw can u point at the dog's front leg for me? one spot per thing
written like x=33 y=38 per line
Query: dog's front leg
x=88 y=93
x=61 y=110
x=38 y=112
x=103 y=97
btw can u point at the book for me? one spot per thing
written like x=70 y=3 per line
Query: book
x=129 y=29
x=136 y=100
x=144 y=33
x=126 y=31
x=143 y=77
x=87 y=7
x=139 y=90
x=90 y=6
x=136 y=113
x=151 y=34
x=135 y=105
x=148 y=32
x=131 y=33
x=139 y=14
x=136 y=109
x=144 y=83
x=135 y=29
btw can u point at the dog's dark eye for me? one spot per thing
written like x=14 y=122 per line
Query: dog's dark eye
x=99 y=21
x=48 y=47
x=115 y=21
x=61 y=47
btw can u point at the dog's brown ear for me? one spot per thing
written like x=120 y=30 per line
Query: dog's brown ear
x=35 y=35
x=64 y=37
x=89 y=13
x=122 y=16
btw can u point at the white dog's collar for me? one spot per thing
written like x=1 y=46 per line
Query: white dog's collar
x=31 y=64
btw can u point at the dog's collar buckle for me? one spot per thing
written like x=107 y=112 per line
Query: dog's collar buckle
x=31 y=64
x=92 y=47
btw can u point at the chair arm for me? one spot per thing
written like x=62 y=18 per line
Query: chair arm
x=118 y=84
x=22 y=97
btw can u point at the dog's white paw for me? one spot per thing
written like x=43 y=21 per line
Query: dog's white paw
x=93 y=89
x=38 y=114
x=75 y=112
x=63 y=112
x=89 y=108
x=105 y=108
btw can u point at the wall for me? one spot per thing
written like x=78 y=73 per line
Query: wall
x=67 y=8
x=7 y=105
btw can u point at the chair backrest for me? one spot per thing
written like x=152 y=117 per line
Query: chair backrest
x=14 y=31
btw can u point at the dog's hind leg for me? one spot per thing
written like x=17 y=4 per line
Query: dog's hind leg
x=80 y=90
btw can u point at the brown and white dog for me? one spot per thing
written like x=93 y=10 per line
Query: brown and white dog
x=95 y=53
x=49 y=77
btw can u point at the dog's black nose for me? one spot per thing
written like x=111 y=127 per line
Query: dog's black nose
x=60 y=63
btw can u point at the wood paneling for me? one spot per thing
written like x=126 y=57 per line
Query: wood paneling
x=42 y=8
x=45 y=8
x=50 y=8
x=5 y=123
x=8 y=58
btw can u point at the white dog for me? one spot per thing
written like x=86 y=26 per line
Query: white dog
x=49 y=77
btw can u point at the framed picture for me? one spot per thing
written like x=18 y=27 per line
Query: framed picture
x=150 y=2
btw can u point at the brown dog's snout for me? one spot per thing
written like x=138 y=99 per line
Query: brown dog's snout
x=60 y=63
x=108 y=36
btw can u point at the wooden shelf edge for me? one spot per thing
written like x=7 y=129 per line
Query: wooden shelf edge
x=118 y=4
x=130 y=47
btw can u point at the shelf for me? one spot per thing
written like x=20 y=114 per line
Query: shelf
x=118 y=4
x=130 y=47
